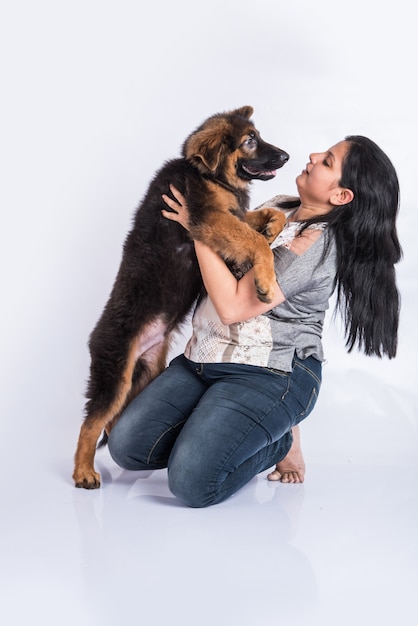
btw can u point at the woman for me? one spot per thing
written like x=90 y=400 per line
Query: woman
x=226 y=409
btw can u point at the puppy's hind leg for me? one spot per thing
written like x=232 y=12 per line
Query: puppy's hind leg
x=146 y=359
x=148 y=366
x=84 y=474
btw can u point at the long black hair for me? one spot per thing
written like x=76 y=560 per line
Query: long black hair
x=368 y=249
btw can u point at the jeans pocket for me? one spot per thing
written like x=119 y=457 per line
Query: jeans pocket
x=302 y=365
x=281 y=373
x=309 y=406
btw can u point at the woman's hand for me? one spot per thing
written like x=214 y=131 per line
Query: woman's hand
x=180 y=211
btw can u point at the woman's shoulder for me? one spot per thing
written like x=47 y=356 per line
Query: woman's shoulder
x=302 y=243
x=313 y=247
x=283 y=202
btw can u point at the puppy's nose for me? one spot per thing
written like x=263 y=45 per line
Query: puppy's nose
x=284 y=157
x=281 y=158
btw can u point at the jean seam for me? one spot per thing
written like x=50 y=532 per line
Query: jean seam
x=213 y=486
x=308 y=371
x=255 y=425
x=171 y=428
x=286 y=391
x=312 y=399
x=280 y=373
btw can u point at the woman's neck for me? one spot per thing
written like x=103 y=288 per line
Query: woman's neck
x=307 y=212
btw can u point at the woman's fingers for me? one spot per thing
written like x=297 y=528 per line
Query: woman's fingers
x=178 y=196
x=170 y=202
x=179 y=212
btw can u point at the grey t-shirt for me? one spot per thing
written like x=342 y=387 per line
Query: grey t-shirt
x=307 y=281
x=271 y=340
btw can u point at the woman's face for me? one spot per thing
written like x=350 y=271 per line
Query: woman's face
x=319 y=182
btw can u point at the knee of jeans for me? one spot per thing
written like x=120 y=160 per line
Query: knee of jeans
x=119 y=451
x=189 y=488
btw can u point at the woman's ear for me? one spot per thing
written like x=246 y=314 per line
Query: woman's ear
x=342 y=196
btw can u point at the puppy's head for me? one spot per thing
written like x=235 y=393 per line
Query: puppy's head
x=228 y=147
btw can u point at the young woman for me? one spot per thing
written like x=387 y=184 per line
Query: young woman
x=229 y=407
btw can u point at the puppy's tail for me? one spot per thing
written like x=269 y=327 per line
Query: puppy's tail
x=103 y=441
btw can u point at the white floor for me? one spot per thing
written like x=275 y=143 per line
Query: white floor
x=340 y=549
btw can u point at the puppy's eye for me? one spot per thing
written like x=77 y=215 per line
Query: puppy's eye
x=251 y=141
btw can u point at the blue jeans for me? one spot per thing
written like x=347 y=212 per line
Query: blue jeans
x=214 y=425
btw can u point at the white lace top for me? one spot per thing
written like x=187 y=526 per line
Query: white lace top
x=289 y=232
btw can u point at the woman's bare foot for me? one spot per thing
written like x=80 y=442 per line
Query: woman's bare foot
x=291 y=469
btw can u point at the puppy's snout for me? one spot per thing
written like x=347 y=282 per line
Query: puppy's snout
x=281 y=158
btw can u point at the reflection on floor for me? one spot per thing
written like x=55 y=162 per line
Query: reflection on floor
x=340 y=549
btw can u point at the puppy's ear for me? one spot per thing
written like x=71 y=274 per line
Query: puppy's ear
x=245 y=112
x=207 y=147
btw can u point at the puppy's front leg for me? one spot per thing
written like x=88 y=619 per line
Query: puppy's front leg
x=235 y=241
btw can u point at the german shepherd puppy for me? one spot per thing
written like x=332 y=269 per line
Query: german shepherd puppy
x=159 y=279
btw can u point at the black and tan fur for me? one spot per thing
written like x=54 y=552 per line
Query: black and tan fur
x=159 y=280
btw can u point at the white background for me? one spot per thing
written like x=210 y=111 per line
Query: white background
x=95 y=96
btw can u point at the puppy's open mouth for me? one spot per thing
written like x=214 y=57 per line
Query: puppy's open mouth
x=262 y=169
x=255 y=172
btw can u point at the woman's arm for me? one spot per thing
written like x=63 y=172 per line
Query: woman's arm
x=234 y=300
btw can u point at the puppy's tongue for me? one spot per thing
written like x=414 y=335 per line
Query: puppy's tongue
x=257 y=172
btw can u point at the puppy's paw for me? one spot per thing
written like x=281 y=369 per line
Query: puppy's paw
x=269 y=222
x=265 y=278
x=265 y=291
x=275 y=221
x=88 y=479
